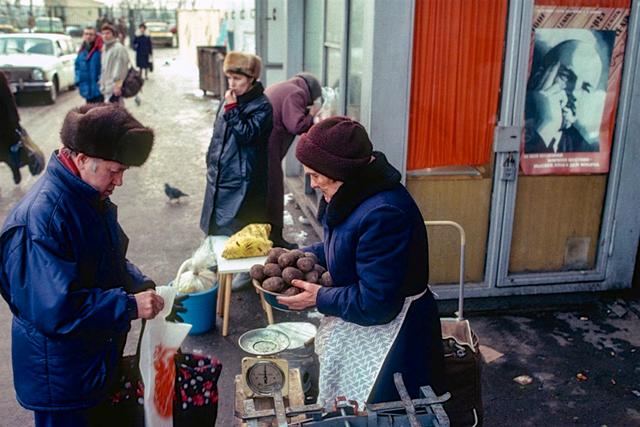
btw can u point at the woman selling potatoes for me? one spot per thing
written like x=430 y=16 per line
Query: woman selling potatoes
x=380 y=316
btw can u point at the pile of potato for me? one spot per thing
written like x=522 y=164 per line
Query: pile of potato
x=282 y=266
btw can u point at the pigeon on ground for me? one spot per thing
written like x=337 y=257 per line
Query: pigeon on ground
x=173 y=193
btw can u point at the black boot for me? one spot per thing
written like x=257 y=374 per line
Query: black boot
x=278 y=240
x=15 y=170
x=14 y=162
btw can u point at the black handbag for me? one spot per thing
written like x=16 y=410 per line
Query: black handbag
x=195 y=402
x=24 y=152
x=132 y=83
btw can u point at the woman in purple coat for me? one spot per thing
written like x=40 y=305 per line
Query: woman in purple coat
x=380 y=316
x=293 y=112
x=144 y=49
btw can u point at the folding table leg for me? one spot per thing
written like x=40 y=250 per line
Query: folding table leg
x=267 y=309
x=227 y=305
x=221 y=287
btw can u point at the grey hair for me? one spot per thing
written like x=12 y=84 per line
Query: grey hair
x=94 y=164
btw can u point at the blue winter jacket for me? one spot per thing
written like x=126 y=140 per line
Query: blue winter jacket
x=64 y=274
x=88 y=72
x=375 y=248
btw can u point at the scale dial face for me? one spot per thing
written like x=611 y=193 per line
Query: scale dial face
x=265 y=377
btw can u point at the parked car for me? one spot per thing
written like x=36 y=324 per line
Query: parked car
x=5 y=25
x=41 y=63
x=45 y=24
x=74 y=30
x=159 y=33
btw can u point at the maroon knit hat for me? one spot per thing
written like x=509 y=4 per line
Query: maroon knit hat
x=336 y=147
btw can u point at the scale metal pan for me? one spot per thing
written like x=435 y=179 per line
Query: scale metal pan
x=263 y=341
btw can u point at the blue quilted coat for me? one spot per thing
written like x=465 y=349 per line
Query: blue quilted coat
x=64 y=274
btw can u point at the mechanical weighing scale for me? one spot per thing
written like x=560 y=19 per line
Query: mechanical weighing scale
x=266 y=376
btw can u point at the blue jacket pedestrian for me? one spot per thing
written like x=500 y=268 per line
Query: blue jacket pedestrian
x=64 y=271
x=87 y=66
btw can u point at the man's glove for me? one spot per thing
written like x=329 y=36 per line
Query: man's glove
x=178 y=307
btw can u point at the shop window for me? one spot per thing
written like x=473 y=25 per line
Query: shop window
x=334 y=22
x=313 y=24
x=355 y=58
x=333 y=54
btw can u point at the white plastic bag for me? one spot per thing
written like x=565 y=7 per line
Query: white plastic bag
x=191 y=282
x=204 y=256
x=195 y=274
x=330 y=104
x=160 y=342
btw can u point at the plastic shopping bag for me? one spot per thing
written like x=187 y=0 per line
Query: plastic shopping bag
x=160 y=342
x=196 y=274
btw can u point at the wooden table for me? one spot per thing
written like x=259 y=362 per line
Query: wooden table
x=226 y=269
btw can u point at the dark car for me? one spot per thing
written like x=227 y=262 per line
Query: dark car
x=74 y=30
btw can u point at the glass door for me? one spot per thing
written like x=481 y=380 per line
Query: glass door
x=558 y=146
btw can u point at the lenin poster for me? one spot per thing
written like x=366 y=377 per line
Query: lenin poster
x=573 y=87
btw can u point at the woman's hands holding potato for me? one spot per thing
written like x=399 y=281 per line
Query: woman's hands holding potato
x=305 y=299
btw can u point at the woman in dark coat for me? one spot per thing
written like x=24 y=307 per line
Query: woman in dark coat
x=236 y=192
x=144 y=49
x=380 y=316
x=9 y=122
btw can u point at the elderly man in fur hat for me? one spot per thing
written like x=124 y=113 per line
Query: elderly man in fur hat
x=64 y=271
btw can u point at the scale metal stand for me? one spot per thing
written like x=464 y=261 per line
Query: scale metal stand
x=264 y=376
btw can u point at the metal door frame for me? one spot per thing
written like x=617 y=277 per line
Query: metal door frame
x=504 y=194
x=263 y=16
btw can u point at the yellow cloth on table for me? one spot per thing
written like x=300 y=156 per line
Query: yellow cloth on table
x=252 y=240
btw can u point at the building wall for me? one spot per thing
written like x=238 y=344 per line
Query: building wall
x=596 y=251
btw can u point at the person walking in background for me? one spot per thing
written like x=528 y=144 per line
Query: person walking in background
x=115 y=64
x=144 y=50
x=31 y=22
x=121 y=27
x=236 y=188
x=65 y=275
x=295 y=103
x=9 y=122
x=88 y=66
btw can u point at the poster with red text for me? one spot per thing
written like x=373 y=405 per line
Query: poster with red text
x=575 y=70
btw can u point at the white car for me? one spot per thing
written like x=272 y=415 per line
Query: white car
x=36 y=62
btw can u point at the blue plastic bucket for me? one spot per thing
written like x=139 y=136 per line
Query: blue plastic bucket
x=201 y=310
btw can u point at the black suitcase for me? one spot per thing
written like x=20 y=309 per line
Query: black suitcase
x=462 y=359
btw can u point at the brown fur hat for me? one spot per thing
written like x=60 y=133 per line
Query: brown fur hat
x=246 y=64
x=108 y=132
x=110 y=28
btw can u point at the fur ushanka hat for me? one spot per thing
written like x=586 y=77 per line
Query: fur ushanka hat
x=246 y=64
x=107 y=131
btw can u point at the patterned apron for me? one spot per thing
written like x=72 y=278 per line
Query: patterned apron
x=352 y=355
